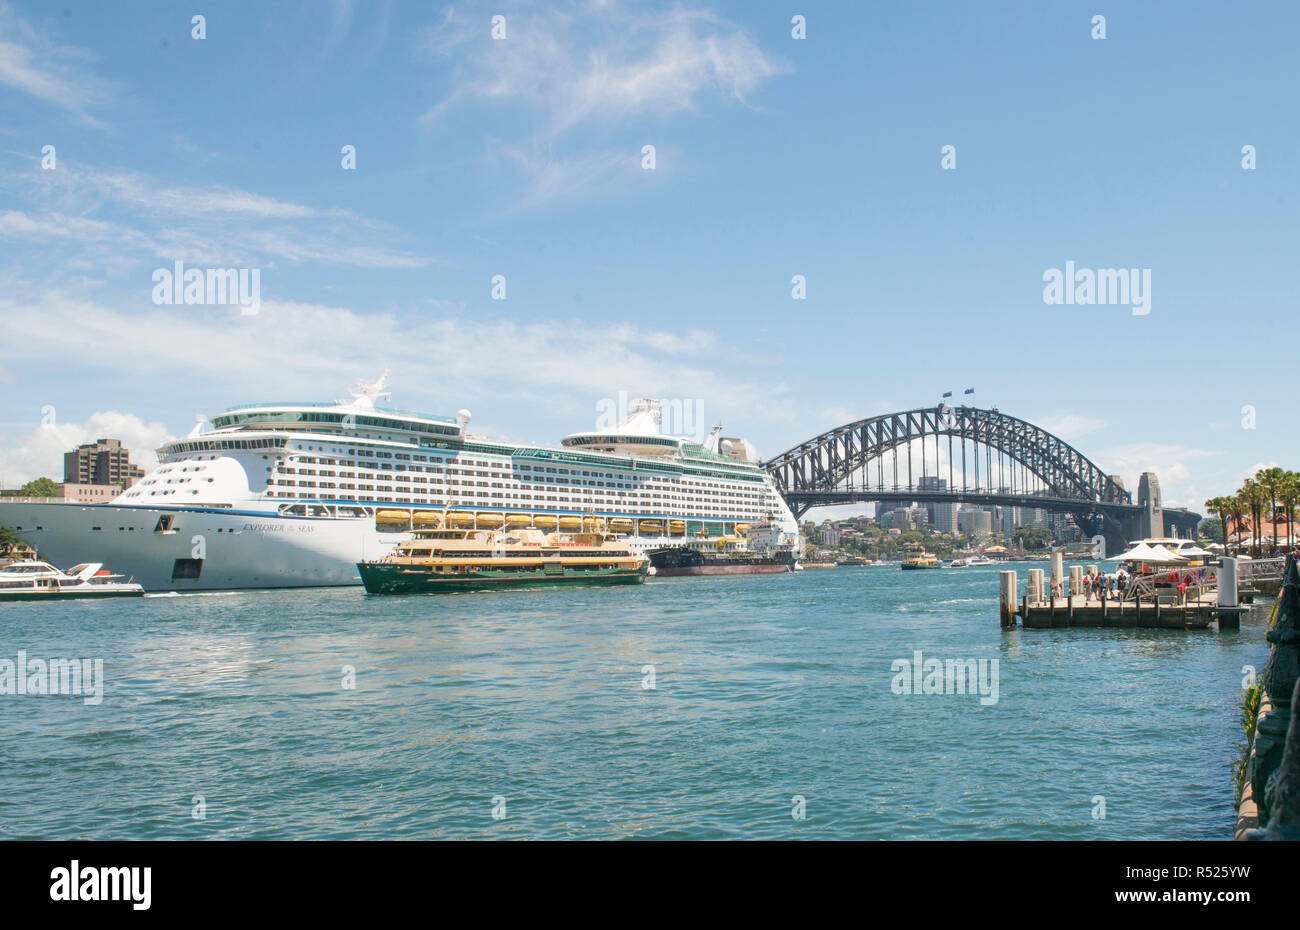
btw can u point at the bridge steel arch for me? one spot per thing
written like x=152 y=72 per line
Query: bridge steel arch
x=824 y=462
x=815 y=472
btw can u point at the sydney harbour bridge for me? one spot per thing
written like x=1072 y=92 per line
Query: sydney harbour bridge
x=951 y=454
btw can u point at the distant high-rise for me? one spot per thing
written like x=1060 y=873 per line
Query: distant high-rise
x=976 y=522
x=102 y=462
x=942 y=516
x=900 y=519
x=1033 y=516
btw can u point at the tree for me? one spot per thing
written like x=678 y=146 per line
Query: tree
x=1034 y=538
x=1271 y=481
x=1237 y=515
x=1222 y=506
x=1253 y=500
x=1289 y=495
x=41 y=487
x=1211 y=528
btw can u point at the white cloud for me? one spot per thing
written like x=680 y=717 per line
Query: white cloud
x=293 y=349
x=1069 y=426
x=17 y=225
x=551 y=178
x=198 y=224
x=593 y=65
x=600 y=64
x=84 y=184
x=53 y=73
x=1179 y=485
x=39 y=452
x=1247 y=473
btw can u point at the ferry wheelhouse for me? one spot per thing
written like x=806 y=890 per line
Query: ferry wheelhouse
x=296 y=494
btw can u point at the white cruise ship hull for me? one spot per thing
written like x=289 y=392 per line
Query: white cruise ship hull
x=238 y=549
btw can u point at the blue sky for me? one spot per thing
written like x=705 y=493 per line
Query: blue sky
x=522 y=157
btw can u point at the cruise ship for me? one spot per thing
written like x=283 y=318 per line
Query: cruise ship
x=296 y=494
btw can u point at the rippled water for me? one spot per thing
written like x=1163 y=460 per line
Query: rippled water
x=766 y=688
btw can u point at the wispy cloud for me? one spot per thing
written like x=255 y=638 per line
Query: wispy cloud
x=553 y=179
x=1069 y=426
x=594 y=65
x=55 y=74
x=600 y=63
x=208 y=224
x=1179 y=485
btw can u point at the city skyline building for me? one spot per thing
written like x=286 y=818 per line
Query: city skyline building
x=102 y=462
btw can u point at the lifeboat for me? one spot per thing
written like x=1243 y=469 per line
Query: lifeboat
x=518 y=520
x=677 y=527
x=620 y=525
x=544 y=522
x=742 y=527
x=427 y=518
x=460 y=519
x=490 y=521
x=592 y=524
x=651 y=527
x=393 y=517
x=570 y=523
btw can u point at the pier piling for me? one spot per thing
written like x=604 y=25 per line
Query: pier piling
x=1007 y=599
x=1227 y=582
x=1037 y=592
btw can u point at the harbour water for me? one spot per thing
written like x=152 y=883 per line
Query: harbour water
x=533 y=705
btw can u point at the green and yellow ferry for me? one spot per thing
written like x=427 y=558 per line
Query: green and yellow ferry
x=916 y=557
x=479 y=560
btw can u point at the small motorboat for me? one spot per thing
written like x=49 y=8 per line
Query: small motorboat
x=36 y=580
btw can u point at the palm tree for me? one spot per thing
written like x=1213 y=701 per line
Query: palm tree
x=1289 y=494
x=1252 y=501
x=1238 y=510
x=1219 y=505
x=1270 y=483
x=1237 y=513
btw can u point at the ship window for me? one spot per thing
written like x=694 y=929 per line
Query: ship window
x=187 y=569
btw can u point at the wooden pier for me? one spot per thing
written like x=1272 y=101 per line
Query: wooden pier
x=1191 y=614
x=1149 y=602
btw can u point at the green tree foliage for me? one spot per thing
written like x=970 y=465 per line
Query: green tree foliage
x=41 y=487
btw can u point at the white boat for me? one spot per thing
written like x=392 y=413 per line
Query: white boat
x=291 y=495
x=35 y=580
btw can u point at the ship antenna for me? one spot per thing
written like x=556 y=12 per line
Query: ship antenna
x=365 y=394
